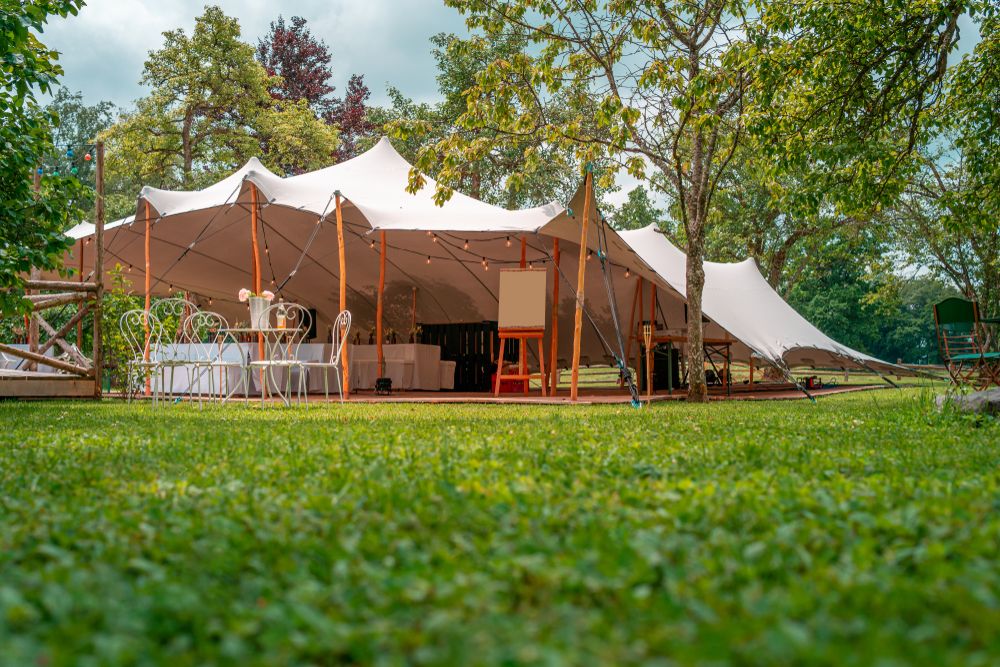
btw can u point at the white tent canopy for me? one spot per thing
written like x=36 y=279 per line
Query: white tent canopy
x=200 y=242
x=738 y=298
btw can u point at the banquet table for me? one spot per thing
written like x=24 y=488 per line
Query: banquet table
x=410 y=365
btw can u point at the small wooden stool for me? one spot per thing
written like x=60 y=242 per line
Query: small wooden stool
x=522 y=335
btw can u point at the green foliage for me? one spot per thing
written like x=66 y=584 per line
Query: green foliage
x=209 y=111
x=118 y=300
x=860 y=530
x=850 y=292
x=31 y=224
x=638 y=211
x=79 y=125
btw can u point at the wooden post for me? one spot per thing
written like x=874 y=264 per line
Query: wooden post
x=523 y=345
x=98 y=355
x=145 y=351
x=580 y=276
x=343 y=291
x=256 y=277
x=751 y=369
x=34 y=275
x=413 y=310
x=553 y=359
x=636 y=331
x=381 y=306
x=649 y=349
x=631 y=322
x=79 y=325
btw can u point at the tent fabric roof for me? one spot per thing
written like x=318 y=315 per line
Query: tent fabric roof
x=373 y=182
x=200 y=245
x=739 y=299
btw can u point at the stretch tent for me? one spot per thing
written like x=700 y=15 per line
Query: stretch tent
x=738 y=298
x=201 y=242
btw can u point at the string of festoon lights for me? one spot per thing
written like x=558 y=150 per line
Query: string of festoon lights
x=77 y=152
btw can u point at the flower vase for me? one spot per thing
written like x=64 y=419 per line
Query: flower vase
x=258 y=306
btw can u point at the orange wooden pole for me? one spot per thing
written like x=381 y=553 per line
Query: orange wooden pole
x=649 y=351
x=381 y=307
x=580 y=276
x=79 y=325
x=631 y=322
x=145 y=353
x=255 y=262
x=343 y=290
x=553 y=364
x=636 y=332
x=413 y=310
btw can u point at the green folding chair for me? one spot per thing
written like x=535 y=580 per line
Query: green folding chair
x=962 y=344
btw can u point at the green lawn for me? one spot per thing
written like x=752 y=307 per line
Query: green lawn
x=864 y=529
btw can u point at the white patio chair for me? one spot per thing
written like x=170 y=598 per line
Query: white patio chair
x=281 y=350
x=173 y=352
x=141 y=331
x=215 y=350
x=341 y=329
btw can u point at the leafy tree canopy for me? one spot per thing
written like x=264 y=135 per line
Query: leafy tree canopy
x=31 y=223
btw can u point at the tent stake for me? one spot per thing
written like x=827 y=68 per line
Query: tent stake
x=343 y=291
x=553 y=364
x=580 y=275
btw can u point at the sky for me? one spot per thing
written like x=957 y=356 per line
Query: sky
x=103 y=48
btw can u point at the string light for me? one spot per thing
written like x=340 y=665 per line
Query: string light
x=130 y=268
x=434 y=238
x=210 y=301
x=430 y=233
x=628 y=273
x=531 y=265
x=508 y=241
x=590 y=253
x=372 y=245
x=486 y=265
x=171 y=289
x=466 y=246
x=87 y=158
x=428 y=259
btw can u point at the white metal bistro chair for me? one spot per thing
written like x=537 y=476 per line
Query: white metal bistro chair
x=282 y=340
x=341 y=329
x=142 y=332
x=174 y=352
x=215 y=351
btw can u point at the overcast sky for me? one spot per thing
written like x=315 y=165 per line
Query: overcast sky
x=104 y=47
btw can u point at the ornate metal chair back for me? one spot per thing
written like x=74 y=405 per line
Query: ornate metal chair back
x=284 y=338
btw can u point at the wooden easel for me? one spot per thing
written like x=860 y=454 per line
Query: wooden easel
x=523 y=335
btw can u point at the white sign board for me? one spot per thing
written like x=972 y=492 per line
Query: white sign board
x=522 y=298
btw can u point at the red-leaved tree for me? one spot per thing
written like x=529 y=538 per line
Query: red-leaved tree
x=301 y=60
x=350 y=114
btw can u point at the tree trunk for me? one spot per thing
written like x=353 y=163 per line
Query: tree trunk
x=697 y=386
x=187 y=152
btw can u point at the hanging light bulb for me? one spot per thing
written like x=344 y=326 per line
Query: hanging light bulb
x=87 y=158
x=466 y=246
x=210 y=301
x=508 y=241
x=372 y=244
x=267 y=251
x=69 y=153
x=531 y=265
x=428 y=259
x=628 y=273
x=486 y=266
x=171 y=289
x=434 y=238
x=590 y=253
x=430 y=233
x=130 y=268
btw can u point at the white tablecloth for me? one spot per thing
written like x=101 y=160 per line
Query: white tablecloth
x=410 y=365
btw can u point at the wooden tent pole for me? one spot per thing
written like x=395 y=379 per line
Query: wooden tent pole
x=524 y=252
x=631 y=321
x=98 y=354
x=649 y=351
x=580 y=275
x=523 y=344
x=79 y=325
x=255 y=263
x=553 y=366
x=413 y=310
x=145 y=323
x=636 y=331
x=381 y=306
x=343 y=290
